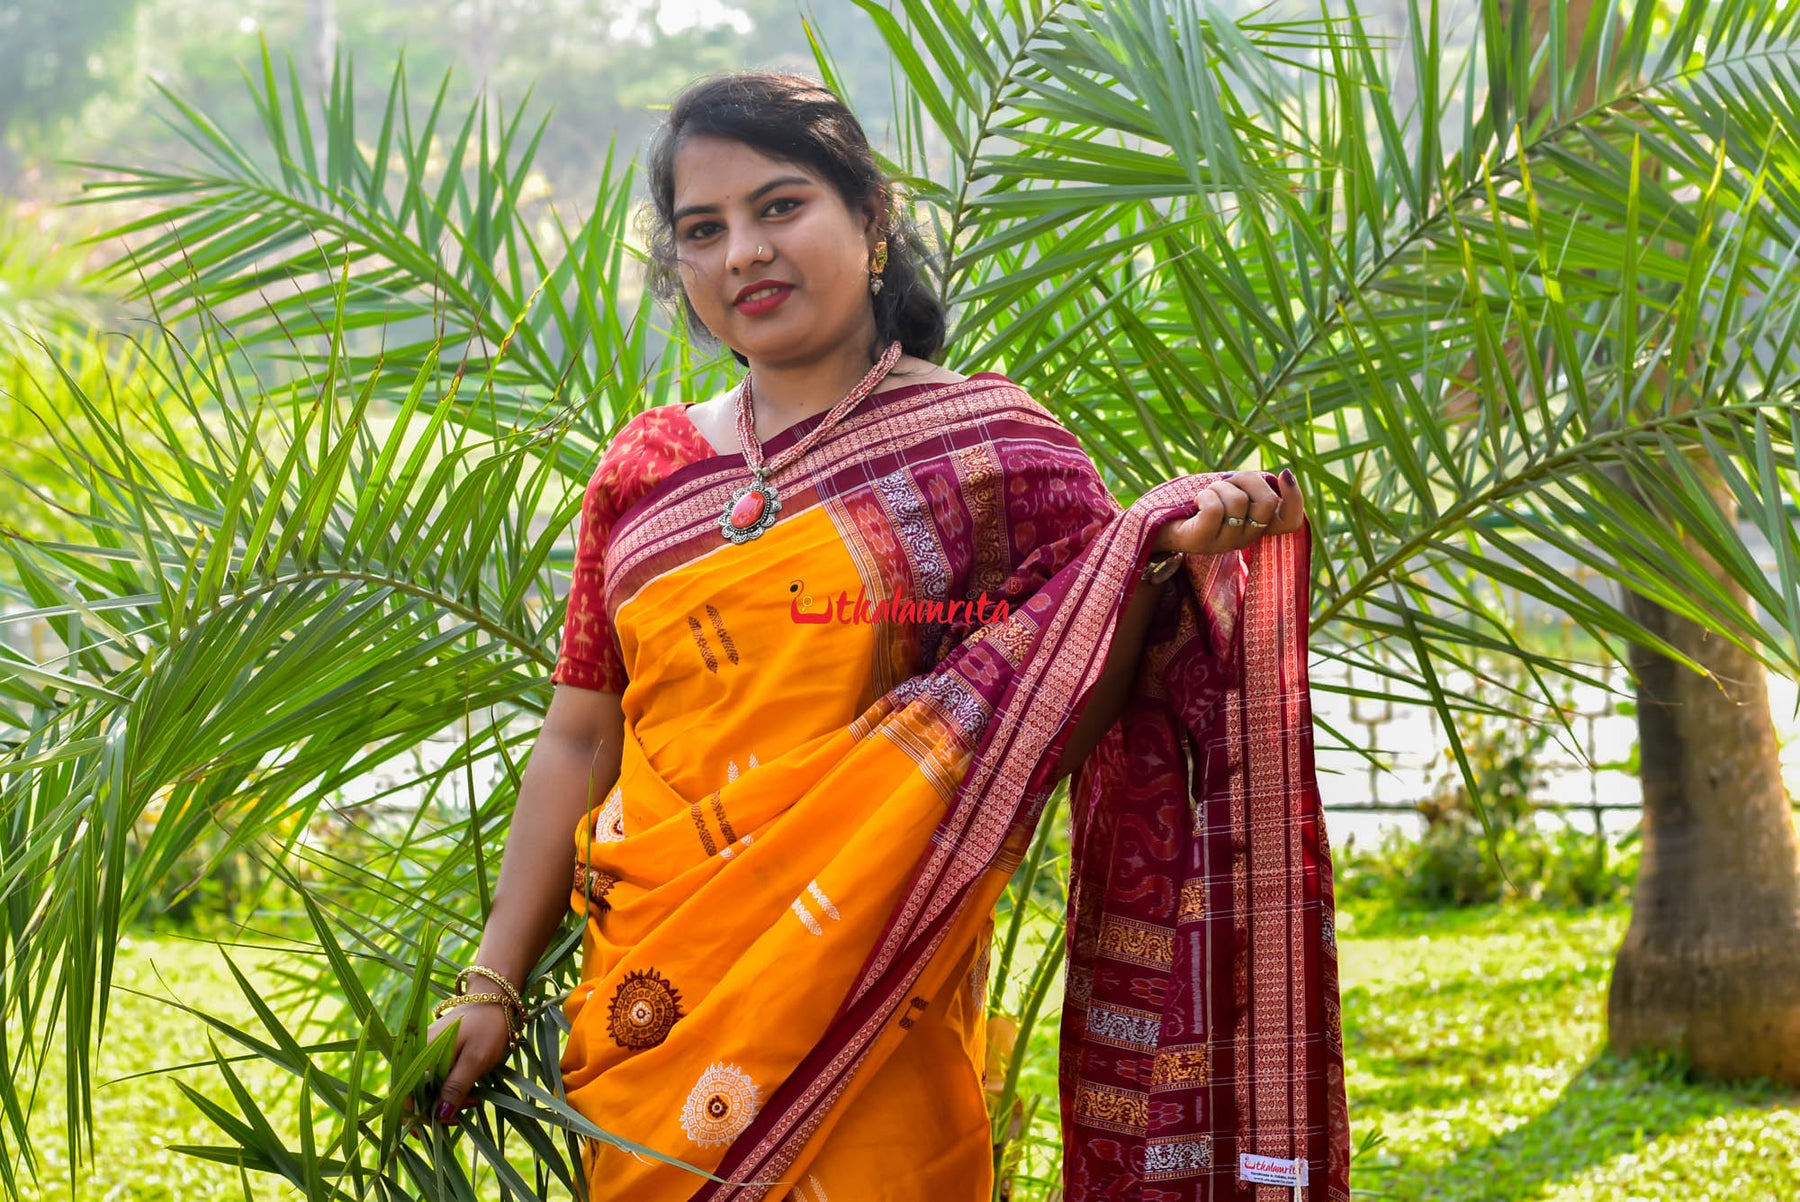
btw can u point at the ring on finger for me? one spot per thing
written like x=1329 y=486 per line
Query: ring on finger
x=1257 y=524
x=1235 y=521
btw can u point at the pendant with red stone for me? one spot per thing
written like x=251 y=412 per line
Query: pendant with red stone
x=750 y=511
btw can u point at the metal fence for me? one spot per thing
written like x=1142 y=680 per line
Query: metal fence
x=1399 y=756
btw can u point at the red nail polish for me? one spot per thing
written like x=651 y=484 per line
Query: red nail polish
x=446 y=1112
x=1287 y=475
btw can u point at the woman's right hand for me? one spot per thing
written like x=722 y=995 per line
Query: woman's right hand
x=481 y=1044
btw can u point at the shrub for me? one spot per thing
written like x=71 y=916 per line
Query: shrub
x=1456 y=861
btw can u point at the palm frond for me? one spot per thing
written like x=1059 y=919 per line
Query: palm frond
x=1536 y=323
x=1459 y=344
x=426 y=245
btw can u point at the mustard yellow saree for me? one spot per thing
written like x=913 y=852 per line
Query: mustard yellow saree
x=838 y=737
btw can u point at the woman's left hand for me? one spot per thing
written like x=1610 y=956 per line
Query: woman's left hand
x=1244 y=495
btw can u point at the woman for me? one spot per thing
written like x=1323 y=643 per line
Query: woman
x=832 y=638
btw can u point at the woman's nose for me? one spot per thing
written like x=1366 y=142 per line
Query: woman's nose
x=743 y=252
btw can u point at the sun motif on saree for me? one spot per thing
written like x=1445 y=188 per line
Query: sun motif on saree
x=594 y=885
x=609 y=821
x=643 y=1009
x=721 y=1104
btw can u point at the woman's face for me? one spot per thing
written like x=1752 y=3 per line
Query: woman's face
x=731 y=199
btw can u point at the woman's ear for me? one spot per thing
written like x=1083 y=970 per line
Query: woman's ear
x=874 y=212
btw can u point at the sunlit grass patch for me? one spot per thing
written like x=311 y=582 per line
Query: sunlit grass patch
x=1476 y=1047
x=137 y=1116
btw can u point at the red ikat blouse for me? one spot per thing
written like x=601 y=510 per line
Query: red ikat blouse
x=648 y=448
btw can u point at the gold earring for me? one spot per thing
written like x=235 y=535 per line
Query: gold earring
x=875 y=269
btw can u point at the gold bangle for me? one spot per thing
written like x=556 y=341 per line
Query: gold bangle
x=507 y=987
x=515 y=1020
x=473 y=999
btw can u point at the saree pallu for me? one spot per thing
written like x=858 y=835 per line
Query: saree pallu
x=830 y=771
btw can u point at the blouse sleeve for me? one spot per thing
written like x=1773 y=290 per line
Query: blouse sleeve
x=590 y=657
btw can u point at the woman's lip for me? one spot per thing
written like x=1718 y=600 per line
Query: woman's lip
x=764 y=304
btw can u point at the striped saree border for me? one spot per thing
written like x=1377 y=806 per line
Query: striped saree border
x=872 y=441
x=991 y=803
x=1249 y=1054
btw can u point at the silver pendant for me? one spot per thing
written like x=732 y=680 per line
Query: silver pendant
x=744 y=519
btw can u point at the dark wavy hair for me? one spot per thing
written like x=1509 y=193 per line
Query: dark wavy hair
x=796 y=120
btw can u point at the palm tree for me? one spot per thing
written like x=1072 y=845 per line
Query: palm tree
x=1488 y=342
x=1710 y=965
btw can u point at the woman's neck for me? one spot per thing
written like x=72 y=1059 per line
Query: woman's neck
x=784 y=393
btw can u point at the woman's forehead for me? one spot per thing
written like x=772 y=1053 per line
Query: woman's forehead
x=704 y=163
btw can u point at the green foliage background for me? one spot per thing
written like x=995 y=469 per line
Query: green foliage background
x=317 y=501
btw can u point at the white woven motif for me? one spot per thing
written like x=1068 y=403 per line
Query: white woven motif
x=722 y=1103
x=609 y=822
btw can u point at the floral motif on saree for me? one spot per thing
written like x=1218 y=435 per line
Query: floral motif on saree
x=825 y=909
x=720 y=1105
x=643 y=1009
x=609 y=819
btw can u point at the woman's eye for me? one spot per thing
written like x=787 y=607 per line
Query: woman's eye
x=703 y=229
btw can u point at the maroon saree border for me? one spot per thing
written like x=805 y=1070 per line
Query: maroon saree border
x=858 y=418
x=658 y=532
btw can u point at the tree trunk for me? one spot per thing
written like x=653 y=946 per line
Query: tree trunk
x=1710 y=965
x=319 y=50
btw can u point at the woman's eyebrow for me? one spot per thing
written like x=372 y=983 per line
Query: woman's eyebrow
x=777 y=182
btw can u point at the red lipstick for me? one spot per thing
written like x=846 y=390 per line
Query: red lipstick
x=762 y=304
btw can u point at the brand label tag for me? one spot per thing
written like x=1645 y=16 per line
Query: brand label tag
x=1271 y=1170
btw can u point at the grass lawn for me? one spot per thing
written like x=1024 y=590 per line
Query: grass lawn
x=137 y=1117
x=1474 y=1043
